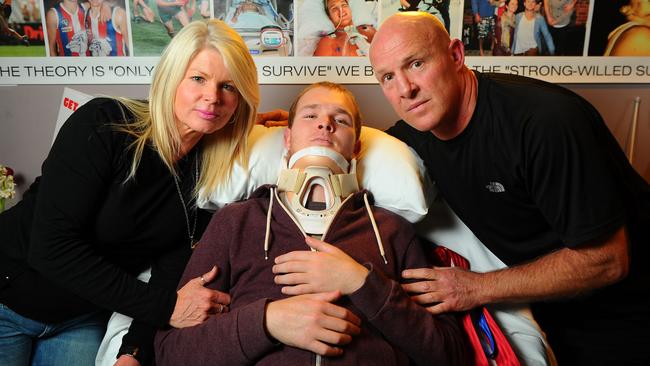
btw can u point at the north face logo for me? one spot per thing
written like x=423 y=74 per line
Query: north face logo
x=495 y=187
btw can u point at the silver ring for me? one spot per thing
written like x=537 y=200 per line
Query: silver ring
x=202 y=281
x=220 y=308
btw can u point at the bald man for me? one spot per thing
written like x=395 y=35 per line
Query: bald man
x=533 y=171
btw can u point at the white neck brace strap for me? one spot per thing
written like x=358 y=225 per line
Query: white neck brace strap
x=300 y=181
x=320 y=151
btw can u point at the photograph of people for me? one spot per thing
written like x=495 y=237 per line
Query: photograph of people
x=504 y=29
x=566 y=20
x=494 y=31
x=88 y=28
x=531 y=36
x=65 y=22
x=336 y=27
x=266 y=25
x=9 y=35
x=111 y=37
x=340 y=304
x=620 y=28
x=169 y=17
x=21 y=30
x=117 y=195
x=484 y=13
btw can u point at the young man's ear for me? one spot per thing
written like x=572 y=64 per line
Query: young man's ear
x=287 y=138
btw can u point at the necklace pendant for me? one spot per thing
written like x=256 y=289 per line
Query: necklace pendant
x=193 y=243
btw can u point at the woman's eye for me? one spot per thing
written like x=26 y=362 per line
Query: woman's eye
x=197 y=78
x=229 y=87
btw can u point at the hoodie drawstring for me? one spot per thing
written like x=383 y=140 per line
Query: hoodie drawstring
x=268 y=225
x=380 y=245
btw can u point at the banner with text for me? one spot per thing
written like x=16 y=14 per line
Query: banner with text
x=305 y=70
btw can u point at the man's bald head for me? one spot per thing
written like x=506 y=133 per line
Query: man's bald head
x=410 y=26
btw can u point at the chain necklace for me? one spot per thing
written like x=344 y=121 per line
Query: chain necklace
x=190 y=233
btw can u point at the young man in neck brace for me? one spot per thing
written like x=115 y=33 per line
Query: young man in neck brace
x=314 y=233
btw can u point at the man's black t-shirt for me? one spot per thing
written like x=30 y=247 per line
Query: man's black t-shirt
x=537 y=170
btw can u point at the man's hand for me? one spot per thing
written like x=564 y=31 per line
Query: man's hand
x=312 y=322
x=125 y=360
x=196 y=303
x=443 y=289
x=562 y=273
x=327 y=269
x=277 y=117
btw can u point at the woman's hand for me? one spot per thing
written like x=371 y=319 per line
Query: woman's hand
x=276 y=117
x=327 y=269
x=312 y=322
x=196 y=303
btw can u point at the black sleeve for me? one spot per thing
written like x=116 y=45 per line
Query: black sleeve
x=165 y=272
x=168 y=272
x=74 y=184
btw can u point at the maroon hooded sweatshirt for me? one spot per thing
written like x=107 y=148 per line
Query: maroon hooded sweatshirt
x=395 y=330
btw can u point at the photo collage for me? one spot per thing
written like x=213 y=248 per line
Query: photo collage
x=324 y=27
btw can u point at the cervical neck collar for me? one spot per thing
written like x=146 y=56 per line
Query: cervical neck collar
x=297 y=184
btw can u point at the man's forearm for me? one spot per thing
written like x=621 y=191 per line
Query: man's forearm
x=566 y=272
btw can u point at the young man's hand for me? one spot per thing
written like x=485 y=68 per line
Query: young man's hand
x=311 y=322
x=326 y=269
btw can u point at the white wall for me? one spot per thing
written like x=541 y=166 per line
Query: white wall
x=28 y=114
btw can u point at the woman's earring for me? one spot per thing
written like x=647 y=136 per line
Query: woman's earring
x=232 y=120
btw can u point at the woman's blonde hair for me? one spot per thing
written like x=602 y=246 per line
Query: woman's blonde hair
x=155 y=122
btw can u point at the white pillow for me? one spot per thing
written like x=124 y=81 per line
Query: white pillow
x=385 y=166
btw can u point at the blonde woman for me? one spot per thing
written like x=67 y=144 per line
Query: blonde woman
x=117 y=195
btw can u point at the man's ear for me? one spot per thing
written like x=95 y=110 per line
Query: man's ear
x=457 y=51
x=287 y=138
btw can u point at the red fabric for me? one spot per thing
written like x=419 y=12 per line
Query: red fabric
x=505 y=356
